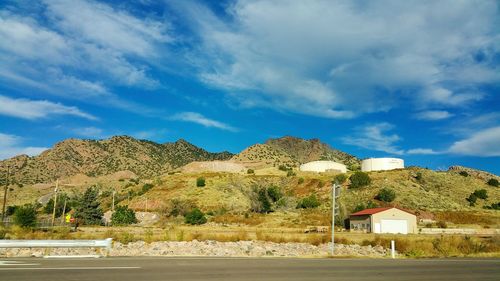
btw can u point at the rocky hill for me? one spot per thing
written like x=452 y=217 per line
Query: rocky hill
x=102 y=157
x=305 y=151
x=263 y=155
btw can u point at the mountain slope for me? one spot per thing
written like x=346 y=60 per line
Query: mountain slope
x=310 y=150
x=263 y=155
x=93 y=158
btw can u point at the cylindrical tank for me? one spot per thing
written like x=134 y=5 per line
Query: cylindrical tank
x=323 y=166
x=382 y=164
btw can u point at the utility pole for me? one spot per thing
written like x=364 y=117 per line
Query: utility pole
x=55 y=202
x=334 y=195
x=113 y=205
x=5 y=193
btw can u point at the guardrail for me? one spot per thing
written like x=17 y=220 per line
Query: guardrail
x=106 y=243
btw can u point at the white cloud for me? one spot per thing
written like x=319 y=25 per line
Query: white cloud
x=91 y=132
x=423 y=151
x=34 y=109
x=374 y=137
x=432 y=115
x=341 y=59
x=484 y=143
x=10 y=145
x=197 y=118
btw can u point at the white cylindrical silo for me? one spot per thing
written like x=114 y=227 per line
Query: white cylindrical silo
x=382 y=164
x=323 y=166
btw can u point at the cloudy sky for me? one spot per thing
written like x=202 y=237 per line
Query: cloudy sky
x=418 y=80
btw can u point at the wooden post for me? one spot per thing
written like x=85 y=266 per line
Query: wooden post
x=55 y=202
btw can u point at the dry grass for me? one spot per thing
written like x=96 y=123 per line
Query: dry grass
x=250 y=219
x=468 y=218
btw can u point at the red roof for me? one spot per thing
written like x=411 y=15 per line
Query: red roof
x=377 y=210
x=371 y=211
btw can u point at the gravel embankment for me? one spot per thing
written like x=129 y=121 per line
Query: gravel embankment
x=211 y=248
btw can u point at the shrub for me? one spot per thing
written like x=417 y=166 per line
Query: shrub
x=386 y=195
x=494 y=206
x=178 y=207
x=123 y=216
x=419 y=176
x=301 y=181
x=283 y=168
x=250 y=171
x=308 y=202
x=200 y=182
x=361 y=206
x=493 y=182
x=442 y=224
x=340 y=178
x=11 y=210
x=472 y=199
x=360 y=179
x=290 y=173
x=481 y=193
x=265 y=204
x=195 y=217
x=274 y=193
x=25 y=216
x=463 y=173
x=146 y=187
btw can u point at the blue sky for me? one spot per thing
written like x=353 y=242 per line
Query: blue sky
x=418 y=80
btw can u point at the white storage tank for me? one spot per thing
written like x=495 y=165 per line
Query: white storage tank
x=323 y=166
x=382 y=164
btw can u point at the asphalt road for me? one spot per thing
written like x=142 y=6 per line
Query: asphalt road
x=152 y=269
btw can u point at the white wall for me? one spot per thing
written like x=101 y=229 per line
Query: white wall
x=323 y=166
x=382 y=164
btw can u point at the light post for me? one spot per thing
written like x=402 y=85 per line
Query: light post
x=5 y=193
x=335 y=193
x=55 y=202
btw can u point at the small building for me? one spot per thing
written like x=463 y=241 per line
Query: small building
x=382 y=164
x=323 y=166
x=384 y=220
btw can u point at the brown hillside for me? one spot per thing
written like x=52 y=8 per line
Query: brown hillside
x=263 y=156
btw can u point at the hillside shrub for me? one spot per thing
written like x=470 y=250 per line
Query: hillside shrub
x=274 y=193
x=308 y=202
x=301 y=181
x=494 y=206
x=146 y=187
x=442 y=224
x=123 y=216
x=481 y=193
x=493 y=182
x=290 y=173
x=463 y=173
x=178 y=207
x=11 y=210
x=195 y=217
x=340 y=178
x=360 y=179
x=200 y=182
x=25 y=216
x=250 y=171
x=472 y=199
x=419 y=176
x=265 y=204
x=362 y=206
x=386 y=195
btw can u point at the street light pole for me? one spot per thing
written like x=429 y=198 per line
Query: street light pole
x=5 y=193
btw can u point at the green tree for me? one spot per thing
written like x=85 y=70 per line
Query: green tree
x=49 y=208
x=123 y=216
x=463 y=173
x=360 y=179
x=386 y=195
x=200 y=182
x=308 y=202
x=25 y=216
x=493 y=182
x=274 y=193
x=88 y=210
x=472 y=199
x=196 y=216
x=340 y=178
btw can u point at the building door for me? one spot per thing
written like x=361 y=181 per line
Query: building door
x=394 y=226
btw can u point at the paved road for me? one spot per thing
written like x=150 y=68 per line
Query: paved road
x=152 y=269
